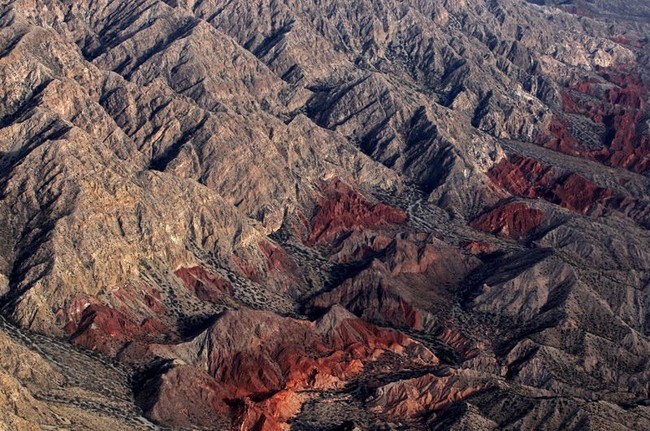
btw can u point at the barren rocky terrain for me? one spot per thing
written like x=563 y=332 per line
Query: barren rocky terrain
x=324 y=215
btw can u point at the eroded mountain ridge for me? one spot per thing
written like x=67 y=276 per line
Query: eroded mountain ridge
x=324 y=215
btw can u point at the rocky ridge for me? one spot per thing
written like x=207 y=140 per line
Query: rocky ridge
x=309 y=215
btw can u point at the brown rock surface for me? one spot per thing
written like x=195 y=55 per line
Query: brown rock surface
x=256 y=377
x=275 y=215
x=411 y=399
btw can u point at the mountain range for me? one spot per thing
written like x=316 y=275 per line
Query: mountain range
x=323 y=215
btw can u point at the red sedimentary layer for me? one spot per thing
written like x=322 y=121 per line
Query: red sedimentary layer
x=522 y=176
x=580 y=195
x=305 y=355
x=283 y=405
x=345 y=210
x=206 y=286
x=107 y=330
x=528 y=178
x=462 y=345
x=257 y=364
x=560 y=139
x=617 y=102
x=276 y=257
x=511 y=220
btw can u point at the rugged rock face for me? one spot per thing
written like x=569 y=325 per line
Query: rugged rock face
x=608 y=111
x=414 y=398
x=529 y=178
x=512 y=220
x=207 y=287
x=343 y=210
x=46 y=384
x=271 y=363
x=305 y=215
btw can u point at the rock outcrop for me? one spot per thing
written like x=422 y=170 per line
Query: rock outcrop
x=511 y=220
x=242 y=356
x=273 y=215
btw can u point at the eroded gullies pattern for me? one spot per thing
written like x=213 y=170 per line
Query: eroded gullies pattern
x=615 y=103
x=414 y=214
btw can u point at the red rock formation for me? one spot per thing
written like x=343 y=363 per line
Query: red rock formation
x=260 y=373
x=463 y=346
x=345 y=210
x=247 y=341
x=206 y=286
x=512 y=220
x=618 y=102
x=98 y=327
x=272 y=413
x=528 y=178
x=560 y=139
x=107 y=330
x=522 y=176
x=276 y=257
x=580 y=195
